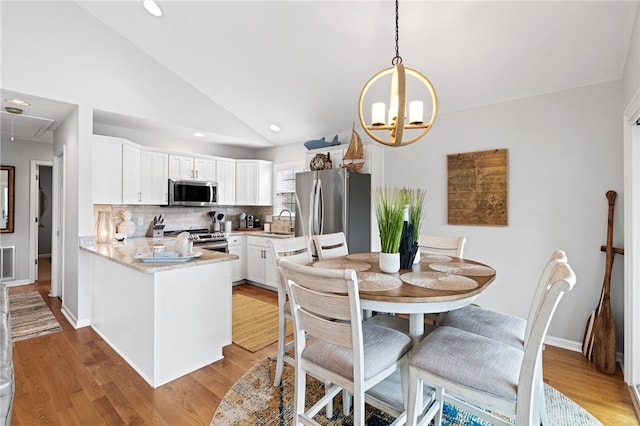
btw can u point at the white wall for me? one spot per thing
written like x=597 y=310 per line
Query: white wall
x=88 y=65
x=631 y=77
x=19 y=153
x=564 y=153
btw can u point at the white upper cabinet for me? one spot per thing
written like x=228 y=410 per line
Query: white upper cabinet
x=106 y=170
x=144 y=176
x=188 y=167
x=226 y=178
x=254 y=183
x=154 y=182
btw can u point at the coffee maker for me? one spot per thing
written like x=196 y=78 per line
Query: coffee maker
x=250 y=220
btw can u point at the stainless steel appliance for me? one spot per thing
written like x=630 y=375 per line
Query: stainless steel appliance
x=335 y=200
x=250 y=221
x=192 y=193
x=204 y=239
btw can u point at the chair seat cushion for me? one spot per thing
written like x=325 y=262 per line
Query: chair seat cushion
x=382 y=347
x=504 y=328
x=471 y=360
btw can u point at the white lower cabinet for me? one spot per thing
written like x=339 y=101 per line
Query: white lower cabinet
x=236 y=246
x=261 y=267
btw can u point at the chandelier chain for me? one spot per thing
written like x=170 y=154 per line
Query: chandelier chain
x=397 y=59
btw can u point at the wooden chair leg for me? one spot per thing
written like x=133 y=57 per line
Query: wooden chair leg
x=281 y=349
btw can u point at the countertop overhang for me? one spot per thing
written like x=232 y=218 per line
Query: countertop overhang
x=126 y=252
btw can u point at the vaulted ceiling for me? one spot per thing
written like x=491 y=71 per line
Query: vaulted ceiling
x=302 y=64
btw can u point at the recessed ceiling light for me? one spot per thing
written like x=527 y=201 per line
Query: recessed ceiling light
x=198 y=134
x=152 y=7
x=274 y=127
x=18 y=102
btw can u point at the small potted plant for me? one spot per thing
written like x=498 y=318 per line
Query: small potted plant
x=390 y=207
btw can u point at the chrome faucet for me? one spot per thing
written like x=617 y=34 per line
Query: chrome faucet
x=290 y=218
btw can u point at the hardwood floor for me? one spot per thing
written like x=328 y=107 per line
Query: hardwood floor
x=74 y=378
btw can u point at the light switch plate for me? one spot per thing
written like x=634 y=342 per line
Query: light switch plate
x=140 y=221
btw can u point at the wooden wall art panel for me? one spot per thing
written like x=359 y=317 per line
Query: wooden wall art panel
x=477 y=188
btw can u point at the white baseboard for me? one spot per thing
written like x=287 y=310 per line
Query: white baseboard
x=75 y=323
x=17 y=283
x=563 y=343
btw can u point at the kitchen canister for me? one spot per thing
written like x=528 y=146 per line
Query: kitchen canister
x=227 y=226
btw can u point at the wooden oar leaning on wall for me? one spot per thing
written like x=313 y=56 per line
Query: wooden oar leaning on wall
x=599 y=344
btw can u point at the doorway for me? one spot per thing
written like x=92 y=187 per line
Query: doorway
x=41 y=218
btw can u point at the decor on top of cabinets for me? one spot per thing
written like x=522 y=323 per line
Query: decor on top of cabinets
x=398 y=102
x=127 y=226
x=321 y=143
x=355 y=151
x=104 y=229
x=390 y=207
x=318 y=162
x=477 y=188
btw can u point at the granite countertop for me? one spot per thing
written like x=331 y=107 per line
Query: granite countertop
x=125 y=253
x=265 y=234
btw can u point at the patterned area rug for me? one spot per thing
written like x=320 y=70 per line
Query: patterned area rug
x=255 y=323
x=253 y=400
x=30 y=316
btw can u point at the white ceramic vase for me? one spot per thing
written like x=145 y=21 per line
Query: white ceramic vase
x=389 y=262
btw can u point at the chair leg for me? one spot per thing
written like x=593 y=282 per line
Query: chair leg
x=346 y=402
x=358 y=406
x=300 y=388
x=440 y=401
x=412 y=405
x=281 y=349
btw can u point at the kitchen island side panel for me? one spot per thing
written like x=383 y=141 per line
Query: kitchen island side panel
x=193 y=318
x=122 y=312
x=164 y=324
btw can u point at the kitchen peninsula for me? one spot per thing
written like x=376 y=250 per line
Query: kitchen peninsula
x=164 y=319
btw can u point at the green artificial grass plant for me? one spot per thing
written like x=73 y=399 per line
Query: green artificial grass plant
x=390 y=204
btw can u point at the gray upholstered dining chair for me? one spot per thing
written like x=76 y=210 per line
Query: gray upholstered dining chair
x=297 y=250
x=330 y=245
x=483 y=375
x=509 y=329
x=332 y=342
x=438 y=244
x=506 y=328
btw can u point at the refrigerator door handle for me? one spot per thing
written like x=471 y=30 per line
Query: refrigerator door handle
x=313 y=211
x=320 y=209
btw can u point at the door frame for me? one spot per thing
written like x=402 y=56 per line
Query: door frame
x=57 y=239
x=34 y=177
x=631 y=366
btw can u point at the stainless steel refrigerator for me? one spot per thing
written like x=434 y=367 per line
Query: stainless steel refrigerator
x=335 y=200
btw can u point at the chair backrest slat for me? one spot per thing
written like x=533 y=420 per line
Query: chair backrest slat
x=436 y=244
x=330 y=245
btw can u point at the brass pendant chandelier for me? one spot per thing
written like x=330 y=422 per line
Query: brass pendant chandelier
x=395 y=126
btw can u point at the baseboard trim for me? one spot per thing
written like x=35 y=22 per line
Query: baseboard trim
x=17 y=283
x=75 y=323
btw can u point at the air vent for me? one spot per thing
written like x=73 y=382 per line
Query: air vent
x=7 y=263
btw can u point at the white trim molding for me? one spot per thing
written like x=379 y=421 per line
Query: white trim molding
x=631 y=368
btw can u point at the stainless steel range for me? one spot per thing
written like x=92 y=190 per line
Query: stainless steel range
x=205 y=239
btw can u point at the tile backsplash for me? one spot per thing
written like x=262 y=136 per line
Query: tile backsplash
x=179 y=218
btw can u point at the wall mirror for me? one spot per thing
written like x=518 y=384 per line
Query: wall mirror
x=6 y=198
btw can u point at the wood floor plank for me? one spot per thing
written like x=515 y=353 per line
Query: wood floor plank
x=75 y=378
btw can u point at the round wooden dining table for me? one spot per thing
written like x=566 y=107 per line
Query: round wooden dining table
x=438 y=283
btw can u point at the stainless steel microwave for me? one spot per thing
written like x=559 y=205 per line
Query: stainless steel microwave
x=192 y=193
